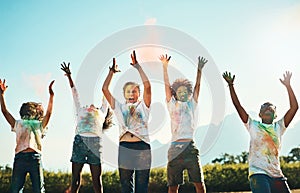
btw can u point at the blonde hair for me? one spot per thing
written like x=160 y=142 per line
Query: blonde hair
x=136 y=85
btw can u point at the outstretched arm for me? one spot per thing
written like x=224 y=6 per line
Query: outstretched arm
x=49 y=108
x=289 y=115
x=105 y=89
x=241 y=111
x=201 y=62
x=66 y=69
x=165 y=61
x=10 y=119
x=146 y=82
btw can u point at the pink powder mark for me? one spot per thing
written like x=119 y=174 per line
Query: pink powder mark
x=39 y=83
x=150 y=21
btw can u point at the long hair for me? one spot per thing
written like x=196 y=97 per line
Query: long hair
x=181 y=82
x=32 y=111
x=108 y=123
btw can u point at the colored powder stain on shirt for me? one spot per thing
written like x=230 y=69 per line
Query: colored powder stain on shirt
x=89 y=120
x=31 y=125
x=180 y=112
x=137 y=118
x=271 y=141
x=133 y=116
x=271 y=132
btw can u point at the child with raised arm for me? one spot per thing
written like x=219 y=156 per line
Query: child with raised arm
x=91 y=121
x=265 y=174
x=183 y=154
x=29 y=132
x=134 y=158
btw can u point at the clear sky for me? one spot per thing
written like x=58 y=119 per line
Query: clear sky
x=256 y=40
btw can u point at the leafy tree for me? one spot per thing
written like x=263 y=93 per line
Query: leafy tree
x=293 y=156
x=231 y=159
x=242 y=158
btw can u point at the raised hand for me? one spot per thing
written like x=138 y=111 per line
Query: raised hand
x=229 y=79
x=114 y=67
x=134 y=62
x=3 y=87
x=165 y=59
x=201 y=62
x=286 y=78
x=50 y=88
x=66 y=68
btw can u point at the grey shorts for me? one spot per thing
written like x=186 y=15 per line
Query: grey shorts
x=181 y=156
x=86 y=150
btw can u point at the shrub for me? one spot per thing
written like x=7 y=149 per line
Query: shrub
x=218 y=178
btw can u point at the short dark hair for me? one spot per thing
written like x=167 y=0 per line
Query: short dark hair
x=267 y=104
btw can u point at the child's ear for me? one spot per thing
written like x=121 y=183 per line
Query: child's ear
x=260 y=115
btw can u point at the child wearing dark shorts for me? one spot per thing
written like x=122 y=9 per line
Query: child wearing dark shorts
x=182 y=102
x=183 y=155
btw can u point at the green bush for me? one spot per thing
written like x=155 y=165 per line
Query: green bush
x=292 y=172
x=218 y=178
x=227 y=177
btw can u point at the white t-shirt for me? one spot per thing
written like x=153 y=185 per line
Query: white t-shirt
x=135 y=122
x=28 y=135
x=89 y=120
x=183 y=118
x=265 y=144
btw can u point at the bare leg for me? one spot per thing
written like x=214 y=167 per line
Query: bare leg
x=173 y=189
x=96 y=177
x=76 y=177
x=200 y=187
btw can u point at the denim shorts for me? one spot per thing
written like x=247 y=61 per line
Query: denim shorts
x=262 y=183
x=86 y=150
x=181 y=156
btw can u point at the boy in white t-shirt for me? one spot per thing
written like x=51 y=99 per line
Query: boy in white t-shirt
x=134 y=158
x=29 y=132
x=183 y=154
x=265 y=174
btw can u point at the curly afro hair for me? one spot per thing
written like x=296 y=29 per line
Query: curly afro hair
x=181 y=82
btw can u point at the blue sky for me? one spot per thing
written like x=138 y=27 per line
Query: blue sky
x=256 y=40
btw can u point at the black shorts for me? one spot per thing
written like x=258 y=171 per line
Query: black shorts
x=181 y=156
